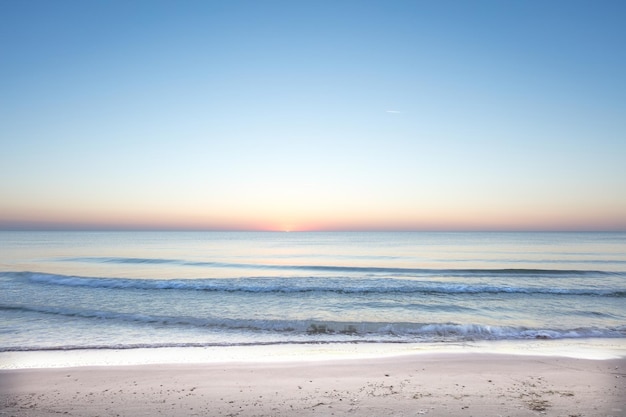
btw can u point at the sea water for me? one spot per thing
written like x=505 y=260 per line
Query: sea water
x=137 y=290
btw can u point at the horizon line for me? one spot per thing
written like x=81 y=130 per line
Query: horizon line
x=66 y=228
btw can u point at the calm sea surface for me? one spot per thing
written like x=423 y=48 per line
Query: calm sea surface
x=73 y=290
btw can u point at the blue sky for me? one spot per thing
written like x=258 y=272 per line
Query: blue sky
x=313 y=115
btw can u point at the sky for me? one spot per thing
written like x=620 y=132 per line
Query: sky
x=313 y=115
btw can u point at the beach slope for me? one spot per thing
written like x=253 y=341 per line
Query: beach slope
x=433 y=384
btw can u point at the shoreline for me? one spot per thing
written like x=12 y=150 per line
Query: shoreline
x=454 y=384
x=593 y=349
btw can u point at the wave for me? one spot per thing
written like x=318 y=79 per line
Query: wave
x=308 y=331
x=305 y=285
x=124 y=346
x=462 y=272
x=146 y=318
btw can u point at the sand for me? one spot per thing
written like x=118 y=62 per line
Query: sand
x=448 y=384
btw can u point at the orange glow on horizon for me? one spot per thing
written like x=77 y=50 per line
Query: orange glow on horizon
x=322 y=219
x=134 y=224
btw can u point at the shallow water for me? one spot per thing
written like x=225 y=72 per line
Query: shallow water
x=79 y=290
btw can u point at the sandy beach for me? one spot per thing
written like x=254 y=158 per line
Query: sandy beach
x=448 y=384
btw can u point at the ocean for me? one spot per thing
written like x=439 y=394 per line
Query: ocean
x=128 y=290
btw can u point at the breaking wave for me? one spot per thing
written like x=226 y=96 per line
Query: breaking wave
x=308 y=331
x=313 y=284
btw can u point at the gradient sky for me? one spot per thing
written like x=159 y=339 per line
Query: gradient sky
x=313 y=115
